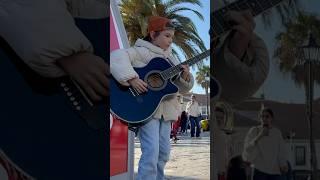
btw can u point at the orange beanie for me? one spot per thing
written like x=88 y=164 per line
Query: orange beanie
x=157 y=23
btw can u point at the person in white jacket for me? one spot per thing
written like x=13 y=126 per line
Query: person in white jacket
x=264 y=147
x=155 y=135
x=193 y=111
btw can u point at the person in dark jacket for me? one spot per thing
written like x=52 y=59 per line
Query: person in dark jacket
x=236 y=169
x=184 y=121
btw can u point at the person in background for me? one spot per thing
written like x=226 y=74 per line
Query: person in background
x=220 y=115
x=265 y=148
x=175 y=128
x=184 y=122
x=193 y=111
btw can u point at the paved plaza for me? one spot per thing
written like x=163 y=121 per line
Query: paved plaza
x=189 y=159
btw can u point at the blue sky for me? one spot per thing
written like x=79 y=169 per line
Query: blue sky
x=203 y=30
x=279 y=86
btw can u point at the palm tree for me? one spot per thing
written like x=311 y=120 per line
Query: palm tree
x=201 y=79
x=135 y=14
x=286 y=54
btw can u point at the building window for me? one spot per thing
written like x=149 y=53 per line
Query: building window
x=300 y=155
x=204 y=110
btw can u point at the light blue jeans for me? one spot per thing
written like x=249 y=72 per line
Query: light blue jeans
x=155 y=147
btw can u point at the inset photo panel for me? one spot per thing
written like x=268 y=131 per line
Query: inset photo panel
x=54 y=90
x=266 y=112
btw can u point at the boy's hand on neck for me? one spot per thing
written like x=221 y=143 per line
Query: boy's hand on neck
x=90 y=71
x=243 y=30
x=185 y=73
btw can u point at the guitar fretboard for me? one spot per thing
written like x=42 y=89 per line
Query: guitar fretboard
x=171 y=72
x=220 y=26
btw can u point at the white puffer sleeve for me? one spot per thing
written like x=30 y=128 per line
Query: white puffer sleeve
x=41 y=32
x=121 y=68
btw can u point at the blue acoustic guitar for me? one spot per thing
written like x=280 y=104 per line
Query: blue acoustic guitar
x=135 y=108
x=48 y=127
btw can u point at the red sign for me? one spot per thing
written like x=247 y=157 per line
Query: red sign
x=118 y=130
x=118 y=148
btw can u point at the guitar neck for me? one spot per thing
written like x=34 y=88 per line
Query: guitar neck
x=256 y=6
x=173 y=71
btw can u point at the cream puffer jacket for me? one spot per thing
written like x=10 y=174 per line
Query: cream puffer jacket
x=122 y=62
x=240 y=79
x=41 y=32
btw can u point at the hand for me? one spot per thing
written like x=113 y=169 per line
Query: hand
x=138 y=85
x=90 y=72
x=243 y=25
x=185 y=72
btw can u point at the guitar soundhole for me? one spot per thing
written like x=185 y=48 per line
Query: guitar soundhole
x=154 y=80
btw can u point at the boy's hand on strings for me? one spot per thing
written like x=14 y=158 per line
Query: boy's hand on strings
x=138 y=85
x=185 y=72
x=90 y=71
x=243 y=25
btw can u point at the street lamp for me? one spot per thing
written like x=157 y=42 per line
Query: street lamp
x=309 y=54
x=207 y=81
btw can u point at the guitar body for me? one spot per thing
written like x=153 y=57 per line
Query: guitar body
x=137 y=109
x=39 y=130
